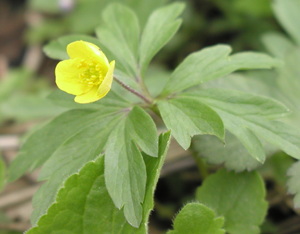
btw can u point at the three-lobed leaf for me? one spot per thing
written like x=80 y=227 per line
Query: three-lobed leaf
x=240 y=198
x=250 y=119
x=125 y=170
x=197 y=218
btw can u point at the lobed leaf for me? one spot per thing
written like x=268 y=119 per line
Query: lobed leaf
x=125 y=170
x=250 y=127
x=187 y=116
x=211 y=63
x=240 y=198
x=55 y=133
x=197 y=218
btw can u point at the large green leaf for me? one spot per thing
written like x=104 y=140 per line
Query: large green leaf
x=293 y=183
x=250 y=119
x=240 y=198
x=186 y=117
x=160 y=28
x=211 y=63
x=82 y=147
x=197 y=219
x=125 y=171
x=287 y=13
x=85 y=203
x=33 y=154
x=88 y=142
x=120 y=35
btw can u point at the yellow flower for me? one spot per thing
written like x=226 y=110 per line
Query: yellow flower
x=87 y=74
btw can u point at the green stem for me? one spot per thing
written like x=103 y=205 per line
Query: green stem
x=127 y=87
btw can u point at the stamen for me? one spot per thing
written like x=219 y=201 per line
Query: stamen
x=91 y=74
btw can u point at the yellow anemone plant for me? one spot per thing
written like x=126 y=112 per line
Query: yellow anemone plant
x=87 y=74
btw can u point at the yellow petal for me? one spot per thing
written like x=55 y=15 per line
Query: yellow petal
x=86 y=50
x=105 y=86
x=67 y=77
x=88 y=97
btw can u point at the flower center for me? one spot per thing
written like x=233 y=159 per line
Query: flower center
x=91 y=74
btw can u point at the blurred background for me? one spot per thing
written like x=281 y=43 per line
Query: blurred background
x=27 y=77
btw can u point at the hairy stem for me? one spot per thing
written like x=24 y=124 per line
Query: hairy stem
x=125 y=86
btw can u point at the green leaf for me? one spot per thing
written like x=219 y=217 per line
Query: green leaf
x=120 y=35
x=240 y=198
x=293 y=183
x=69 y=157
x=251 y=125
x=78 y=201
x=160 y=28
x=197 y=219
x=111 y=101
x=287 y=12
x=33 y=154
x=125 y=171
x=56 y=49
x=211 y=63
x=186 y=117
x=233 y=154
x=29 y=106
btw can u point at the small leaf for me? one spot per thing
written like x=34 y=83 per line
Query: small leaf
x=138 y=121
x=125 y=171
x=293 y=183
x=120 y=35
x=240 y=198
x=160 y=28
x=186 y=117
x=85 y=203
x=56 y=49
x=211 y=63
x=197 y=219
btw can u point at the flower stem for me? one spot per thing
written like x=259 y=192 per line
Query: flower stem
x=125 y=86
